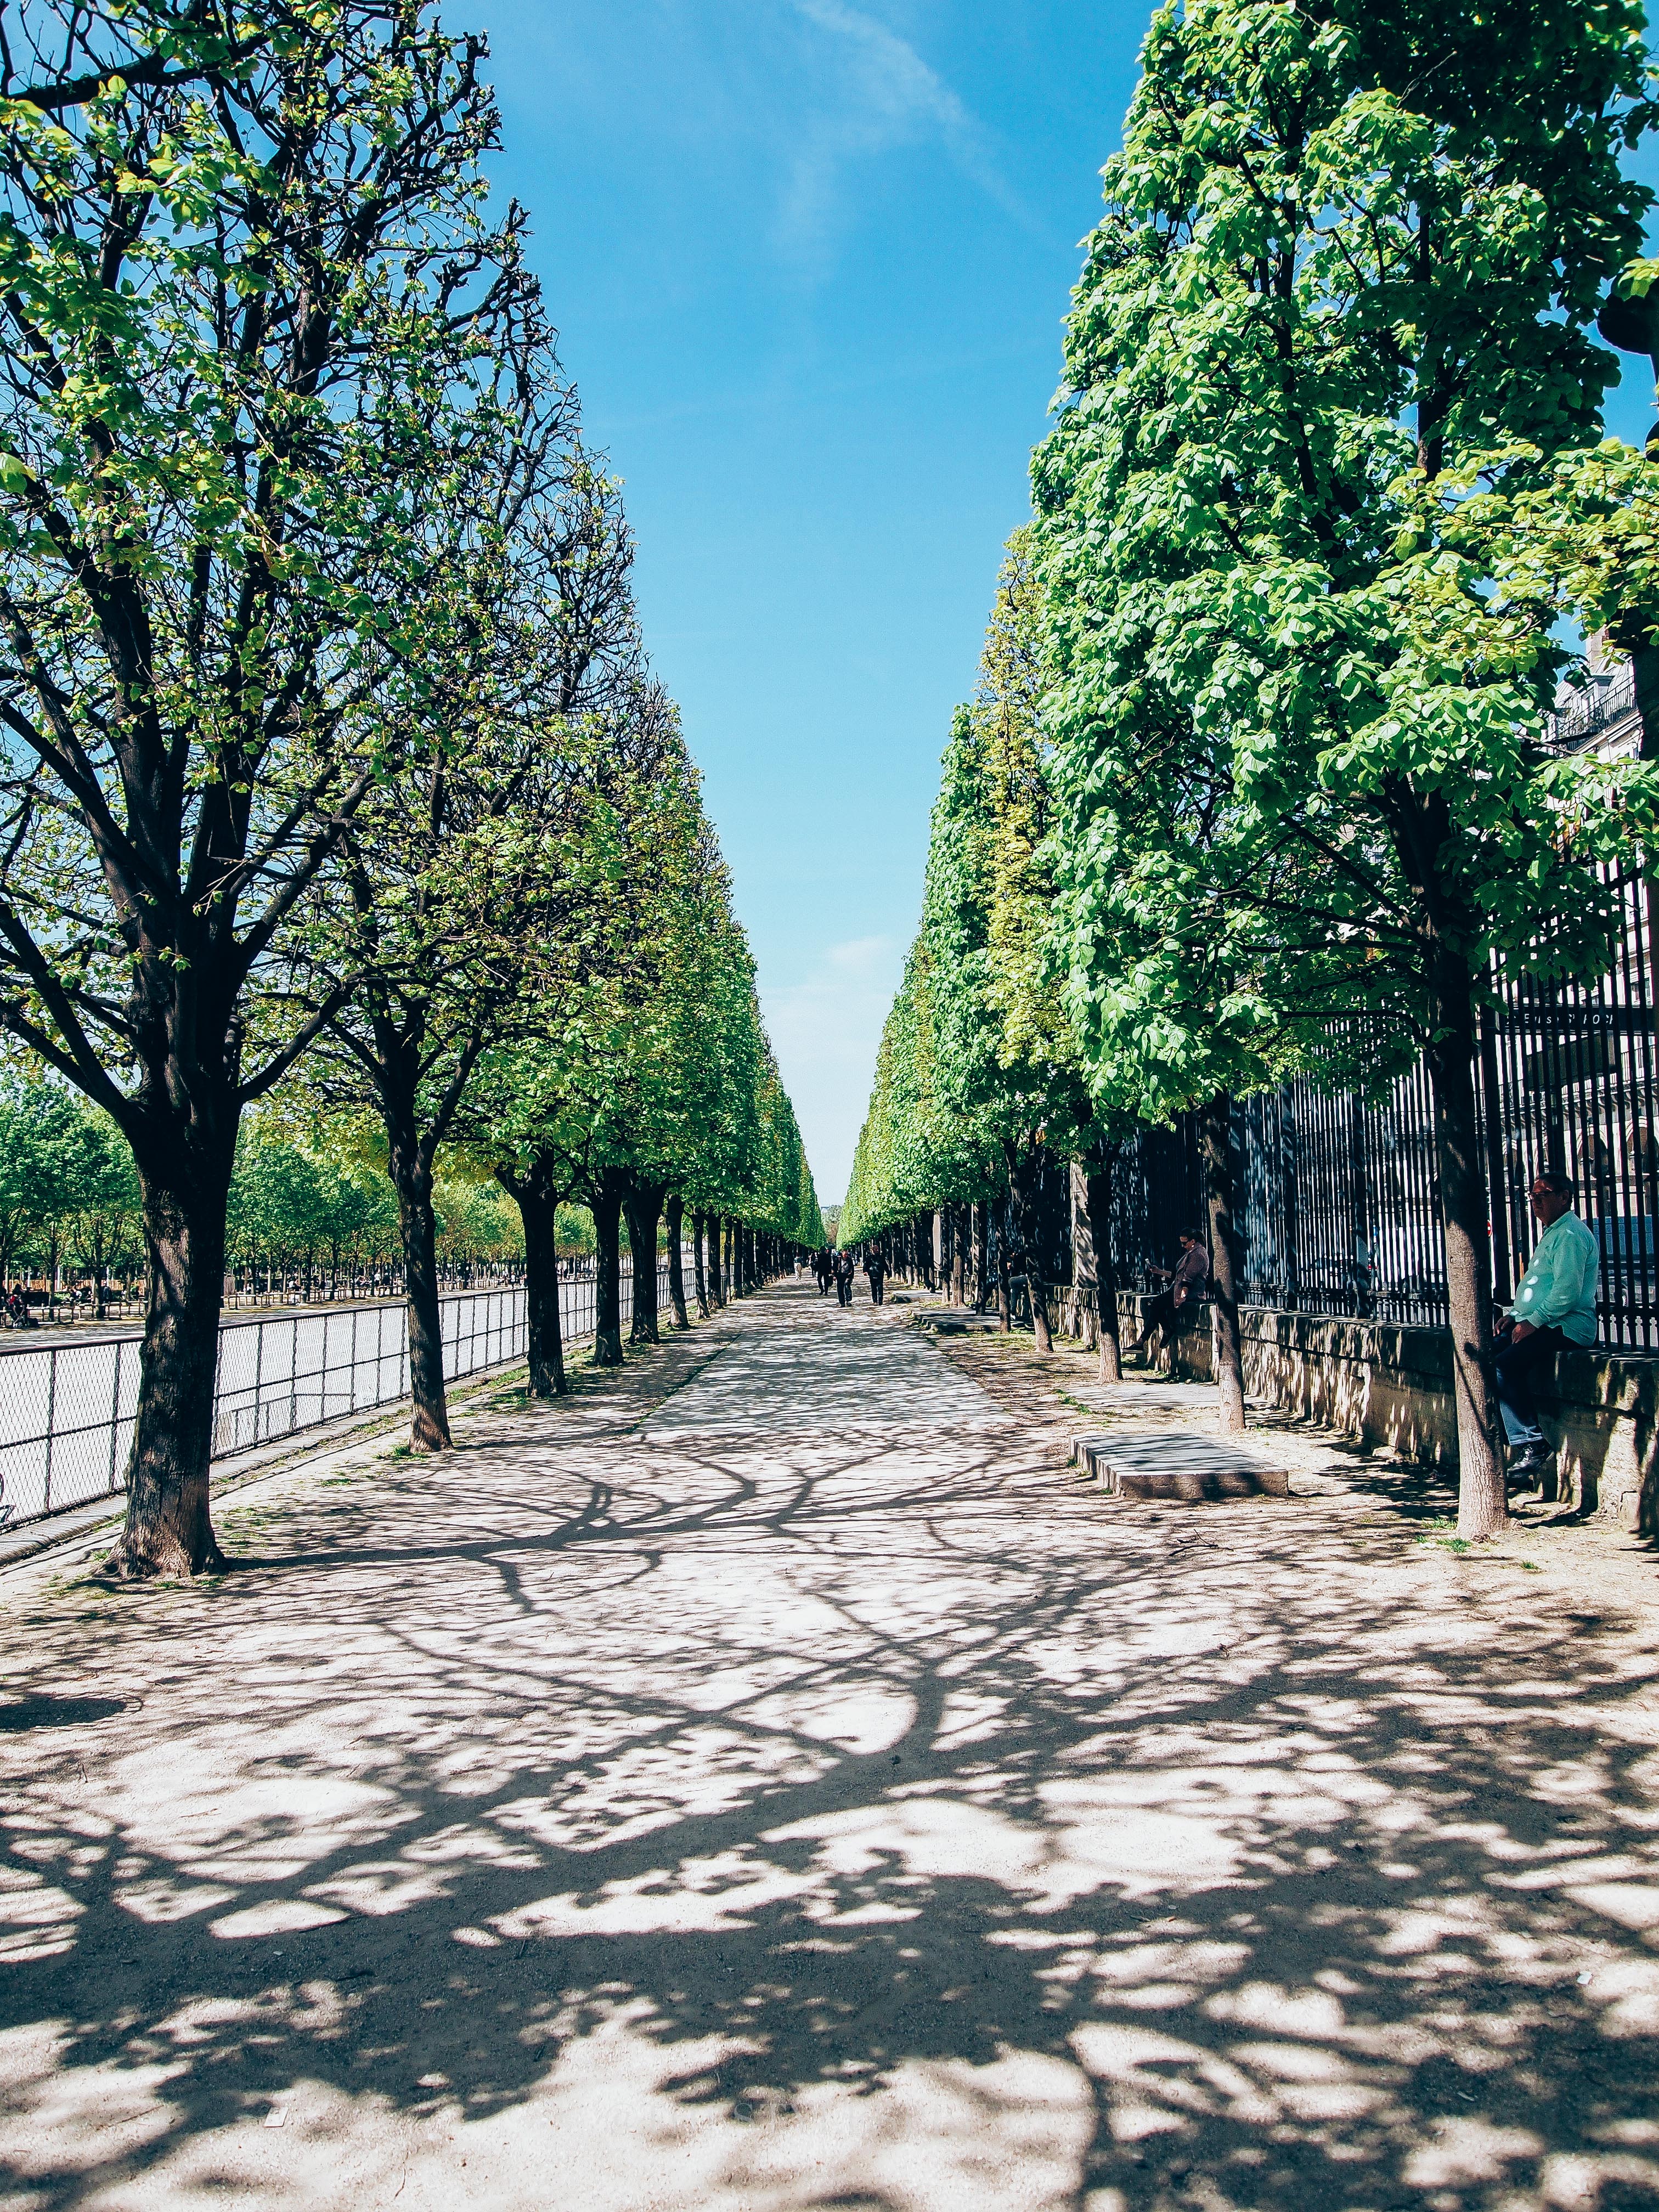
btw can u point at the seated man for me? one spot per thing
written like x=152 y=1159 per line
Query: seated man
x=1554 y=1304
x=1187 y=1280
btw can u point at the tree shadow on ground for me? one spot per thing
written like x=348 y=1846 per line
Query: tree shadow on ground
x=799 y=1786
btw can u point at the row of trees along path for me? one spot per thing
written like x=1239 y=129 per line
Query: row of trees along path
x=1252 y=783
x=331 y=756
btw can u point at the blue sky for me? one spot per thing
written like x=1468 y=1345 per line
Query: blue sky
x=810 y=260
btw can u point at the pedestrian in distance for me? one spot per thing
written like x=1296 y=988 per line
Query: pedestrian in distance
x=1554 y=1304
x=875 y=1266
x=825 y=1267
x=1187 y=1279
x=844 y=1279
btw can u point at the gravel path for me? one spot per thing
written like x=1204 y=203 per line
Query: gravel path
x=771 y=1781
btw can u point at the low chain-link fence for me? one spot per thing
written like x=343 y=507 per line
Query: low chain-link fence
x=67 y=1410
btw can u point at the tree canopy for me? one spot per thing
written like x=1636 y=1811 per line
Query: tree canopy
x=1264 y=786
x=329 y=752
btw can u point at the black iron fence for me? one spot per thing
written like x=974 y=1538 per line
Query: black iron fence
x=67 y=1409
x=1337 y=1201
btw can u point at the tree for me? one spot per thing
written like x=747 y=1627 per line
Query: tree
x=980 y=1085
x=102 y=1218
x=1330 y=340
x=38 y=1128
x=460 y=883
x=240 y=332
x=639 y=1077
x=53 y=59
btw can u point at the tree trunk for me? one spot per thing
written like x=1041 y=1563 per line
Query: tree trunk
x=1216 y=1128
x=1099 y=1207
x=676 y=1265
x=411 y=1178
x=169 y=1528
x=1025 y=1189
x=734 y=1259
x=606 y=1207
x=643 y=1209
x=716 y=1280
x=700 y=1283
x=1085 y=1290
x=1482 y=1505
x=537 y=1196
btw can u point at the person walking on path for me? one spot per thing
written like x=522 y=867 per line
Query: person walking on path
x=844 y=1279
x=1187 y=1280
x=1554 y=1304
x=821 y=1268
x=875 y=1266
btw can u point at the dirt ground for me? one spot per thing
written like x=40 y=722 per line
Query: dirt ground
x=1589 y=1559
x=773 y=1781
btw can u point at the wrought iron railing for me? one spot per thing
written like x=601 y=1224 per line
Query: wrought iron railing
x=1338 y=1202
x=1582 y=714
x=67 y=1410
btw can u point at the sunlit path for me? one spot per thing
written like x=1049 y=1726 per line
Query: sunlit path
x=796 y=1793
x=820 y=1369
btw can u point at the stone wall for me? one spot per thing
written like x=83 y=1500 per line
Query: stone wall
x=1392 y=1386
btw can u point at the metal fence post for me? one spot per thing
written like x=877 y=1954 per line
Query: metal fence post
x=115 y=1412
x=52 y=1420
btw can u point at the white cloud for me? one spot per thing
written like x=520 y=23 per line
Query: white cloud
x=889 y=97
x=825 y=1030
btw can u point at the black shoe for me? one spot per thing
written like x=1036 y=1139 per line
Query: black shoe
x=1531 y=1461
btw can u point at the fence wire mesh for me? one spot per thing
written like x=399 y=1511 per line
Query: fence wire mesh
x=67 y=1410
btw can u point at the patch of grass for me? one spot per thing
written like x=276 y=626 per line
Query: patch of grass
x=1441 y=1534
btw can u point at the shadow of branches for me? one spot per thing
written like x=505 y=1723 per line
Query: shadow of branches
x=908 y=1827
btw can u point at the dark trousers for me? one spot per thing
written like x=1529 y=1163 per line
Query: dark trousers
x=876 y=1282
x=844 y=1291
x=1526 y=1368
x=1163 y=1314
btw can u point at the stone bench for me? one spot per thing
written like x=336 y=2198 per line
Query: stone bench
x=1392 y=1386
x=1182 y=1469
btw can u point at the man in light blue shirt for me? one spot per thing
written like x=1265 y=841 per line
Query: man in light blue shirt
x=1554 y=1304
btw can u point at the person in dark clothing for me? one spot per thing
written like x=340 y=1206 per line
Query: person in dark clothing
x=1187 y=1279
x=824 y=1268
x=844 y=1279
x=875 y=1266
